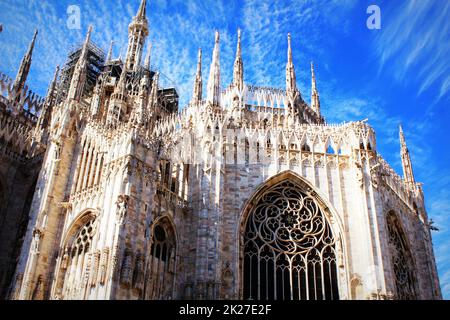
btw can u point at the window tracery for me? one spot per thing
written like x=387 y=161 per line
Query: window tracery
x=401 y=260
x=76 y=262
x=161 y=269
x=289 y=248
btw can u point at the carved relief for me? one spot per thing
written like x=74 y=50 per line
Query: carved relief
x=126 y=274
x=104 y=265
x=138 y=276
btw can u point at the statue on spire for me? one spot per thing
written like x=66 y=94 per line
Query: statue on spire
x=315 y=102
x=292 y=92
x=238 y=70
x=147 y=58
x=406 y=161
x=213 y=88
x=197 y=94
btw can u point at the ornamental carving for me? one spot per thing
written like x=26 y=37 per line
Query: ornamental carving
x=288 y=238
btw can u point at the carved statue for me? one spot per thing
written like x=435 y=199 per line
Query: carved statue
x=359 y=174
x=122 y=207
x=104 y=265
x=37 y=234
x=95 y=265
x=65 y=259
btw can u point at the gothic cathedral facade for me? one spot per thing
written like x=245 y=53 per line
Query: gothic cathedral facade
x=108 y=191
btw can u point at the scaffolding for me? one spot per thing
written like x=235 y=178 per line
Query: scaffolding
x=96 y=61
x=167 y=94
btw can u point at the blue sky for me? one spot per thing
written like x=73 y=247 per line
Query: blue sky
x=398 y=74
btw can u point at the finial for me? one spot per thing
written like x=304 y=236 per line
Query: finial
x=141 y=14
x=289 y=48
x=199 y=60
x=36 y=31
x=313 y=77
x=213 y=87
x=55 y=76
x=51 y=88
x=217 y=37
x=406 y=159
x=33 y=41
x=88 y=36
x=109 y=57
x=402 y=136
x=147 y=58
x=238 y=51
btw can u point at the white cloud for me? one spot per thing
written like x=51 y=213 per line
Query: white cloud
x=414 y=43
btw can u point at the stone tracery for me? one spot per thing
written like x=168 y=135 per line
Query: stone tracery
x=289 y=248
x=401 y=259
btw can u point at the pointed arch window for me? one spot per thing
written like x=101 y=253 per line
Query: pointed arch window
x=160 y=282
x=305 y=147
x=75 y=264
x=289 y=248
x=401 y=260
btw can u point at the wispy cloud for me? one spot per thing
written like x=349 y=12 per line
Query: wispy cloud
x=414 y=43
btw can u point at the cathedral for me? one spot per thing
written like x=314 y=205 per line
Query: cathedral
x=109 y=190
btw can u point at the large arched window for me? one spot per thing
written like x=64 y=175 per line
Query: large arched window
x=161 y=269
x=75 y=260
x=289 y=248
x=401 y=259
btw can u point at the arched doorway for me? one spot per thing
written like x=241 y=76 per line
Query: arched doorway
x=289 y=249
x=401 y=260
x=160 y=282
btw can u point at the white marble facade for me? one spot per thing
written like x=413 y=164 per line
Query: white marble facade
x=249 y=193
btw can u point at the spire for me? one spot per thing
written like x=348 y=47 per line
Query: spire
x=51 y=88
x=25 y=65
x=121 y=85
x=406 y=160
x=147 y=58
x=197 y=94
x=44 y=117
x=79 y=74
x=110 y=51
x=291 y=85
x=141 y=14
x=315 y=102
x=139 y=114
x=137 y=33
x=289 y=50
x=238 y=70
x=154 y=92
x=213 y=88
x=117 y=104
